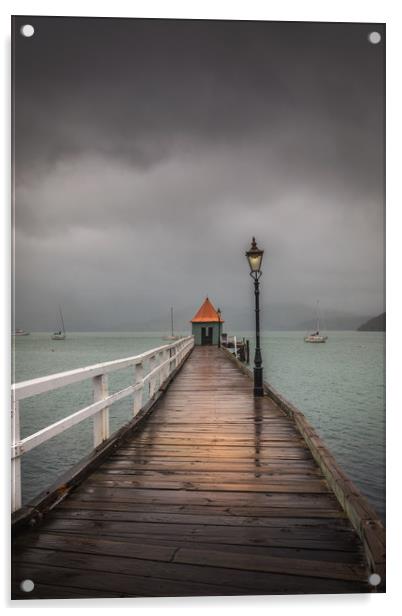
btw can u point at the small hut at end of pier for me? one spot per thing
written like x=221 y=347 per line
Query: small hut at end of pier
x=207 y=324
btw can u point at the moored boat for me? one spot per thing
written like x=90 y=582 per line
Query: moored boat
x=316 y=337
x=61 y=334
x=172 y=335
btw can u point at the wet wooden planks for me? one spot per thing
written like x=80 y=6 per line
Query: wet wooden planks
x=217 y=494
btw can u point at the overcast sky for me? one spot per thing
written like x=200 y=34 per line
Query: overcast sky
x=148 y=152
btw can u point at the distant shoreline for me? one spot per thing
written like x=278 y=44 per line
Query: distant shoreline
x=376 y=324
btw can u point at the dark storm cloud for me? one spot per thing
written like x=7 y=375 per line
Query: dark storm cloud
x=159 y=147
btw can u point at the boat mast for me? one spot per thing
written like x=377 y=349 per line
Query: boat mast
x=318 y=320
x=62 y=320
x=171 y=318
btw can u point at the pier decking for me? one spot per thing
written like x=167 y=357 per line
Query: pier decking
x=216 y=493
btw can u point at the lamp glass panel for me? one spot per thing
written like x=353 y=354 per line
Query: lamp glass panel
x=255 y=262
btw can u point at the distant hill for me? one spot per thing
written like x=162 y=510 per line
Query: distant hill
x=238 y=316
x=377 y=324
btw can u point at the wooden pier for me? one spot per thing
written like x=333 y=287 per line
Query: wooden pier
x=214 y=492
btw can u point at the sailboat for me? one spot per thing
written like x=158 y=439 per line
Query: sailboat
x=60 y=335
x=316 y=336
x=172 y=336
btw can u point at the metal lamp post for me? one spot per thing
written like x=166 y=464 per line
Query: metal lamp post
x=219 y=327
x=254 y=256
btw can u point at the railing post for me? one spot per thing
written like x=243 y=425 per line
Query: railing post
x=101 y=419
x=138 y=376
x=168 y=356
x=170 y=364
x=16 y=497
x=161 y=370
x=152 y=379
x=166 y=367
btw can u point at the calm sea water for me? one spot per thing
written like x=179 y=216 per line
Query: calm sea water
x=340 y=386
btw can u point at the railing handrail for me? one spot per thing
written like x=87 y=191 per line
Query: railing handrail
x=161 y=363
x=40 y=385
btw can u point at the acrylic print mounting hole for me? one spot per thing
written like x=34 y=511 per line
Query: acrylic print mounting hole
x=374 y=579
x=374 y=38
x=27 y=585
x=27 y=30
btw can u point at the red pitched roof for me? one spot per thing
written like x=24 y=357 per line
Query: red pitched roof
x=206 y=314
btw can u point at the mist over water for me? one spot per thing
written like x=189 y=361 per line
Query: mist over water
x=339 y=386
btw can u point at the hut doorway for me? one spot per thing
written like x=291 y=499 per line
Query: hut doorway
x=206 y=335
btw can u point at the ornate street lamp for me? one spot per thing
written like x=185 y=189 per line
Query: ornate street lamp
x=219 y=327
x=254 y=256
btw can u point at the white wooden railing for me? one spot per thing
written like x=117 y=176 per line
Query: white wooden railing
x=229 y=342
x=160 y=363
